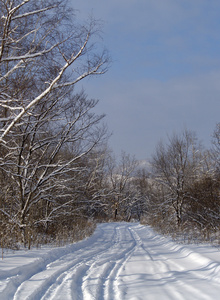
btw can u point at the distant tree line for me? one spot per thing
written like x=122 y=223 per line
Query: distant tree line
x=57 y=175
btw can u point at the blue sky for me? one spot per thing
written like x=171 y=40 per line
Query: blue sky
x=165 y=74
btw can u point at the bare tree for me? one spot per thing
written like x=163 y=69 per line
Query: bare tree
x=216 y=147
x=43 y=156
x=94 y=190
x=175 y=165
x=120 y=175
x=46 y=129
x=141 y=185
x=41 y=50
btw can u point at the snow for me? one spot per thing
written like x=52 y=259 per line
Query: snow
x=119 y=261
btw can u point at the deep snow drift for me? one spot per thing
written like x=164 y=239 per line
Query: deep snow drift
x=120 y=261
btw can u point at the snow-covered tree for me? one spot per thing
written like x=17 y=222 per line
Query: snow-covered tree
x=43 y=158
x=120 y=178
x=175 y=165
x=46 y=128
x=141 y=185
x=42 y=49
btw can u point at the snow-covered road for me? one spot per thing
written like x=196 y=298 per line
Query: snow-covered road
x=120 y=261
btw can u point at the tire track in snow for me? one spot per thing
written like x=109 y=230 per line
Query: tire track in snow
x=111 y=289
x=100 y=278
x=73 y=278
x=120 y=261
x=13 y=278
x=52 y=274
x=114 y=276
x=106 y=286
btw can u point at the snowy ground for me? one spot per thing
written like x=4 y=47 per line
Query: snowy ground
x=120 y=261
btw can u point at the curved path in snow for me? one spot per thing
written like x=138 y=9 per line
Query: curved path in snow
x=120 y=261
